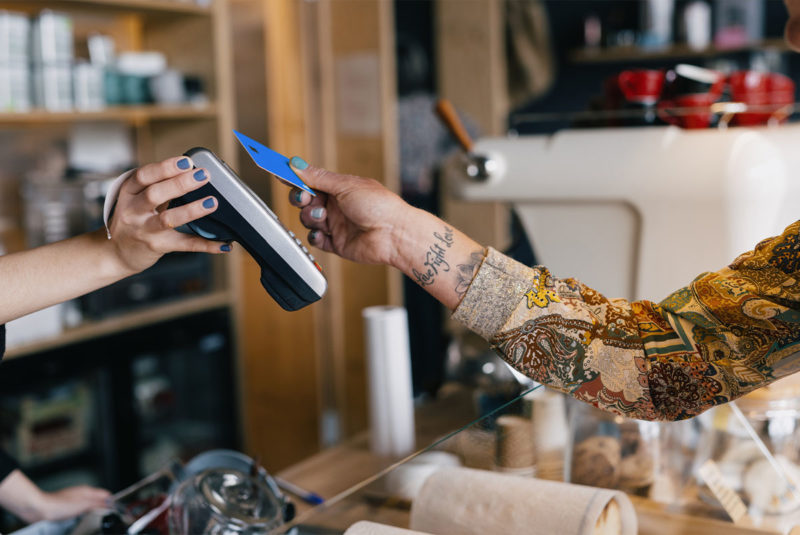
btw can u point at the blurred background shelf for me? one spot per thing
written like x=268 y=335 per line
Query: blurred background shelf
x=143 y=6
x=637 y=54
x=130 y=114
x=130 y=320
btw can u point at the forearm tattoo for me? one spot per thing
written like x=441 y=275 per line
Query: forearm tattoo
x=435 y=262
x=466 y=272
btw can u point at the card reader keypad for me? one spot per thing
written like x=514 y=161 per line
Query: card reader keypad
x=242 y=217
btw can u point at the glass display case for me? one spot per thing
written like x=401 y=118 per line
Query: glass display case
x=113 y=410
x=511 y=458
x=657 y=465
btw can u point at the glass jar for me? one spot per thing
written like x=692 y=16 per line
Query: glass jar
x=650 y=459
x=767 y=484
x=224 y=502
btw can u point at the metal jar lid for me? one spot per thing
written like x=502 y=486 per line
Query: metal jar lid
x=241 y=499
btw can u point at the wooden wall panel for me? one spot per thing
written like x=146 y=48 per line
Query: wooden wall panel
x=360 y=31
x=301 y=367
x=471 y=73
x=278 y=348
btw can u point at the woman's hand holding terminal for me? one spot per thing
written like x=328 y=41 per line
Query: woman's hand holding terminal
x=142 y=230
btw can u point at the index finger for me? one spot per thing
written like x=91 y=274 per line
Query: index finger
x=149 y=174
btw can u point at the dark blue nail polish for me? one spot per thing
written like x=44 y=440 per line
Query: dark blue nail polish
x=184 y=164
x=298 y=196
x=208 y=203
x=226 y=248
x=200 y=175
x=313 y=235
x=298 y=163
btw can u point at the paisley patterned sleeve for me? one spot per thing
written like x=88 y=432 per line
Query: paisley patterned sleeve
x=722 y=336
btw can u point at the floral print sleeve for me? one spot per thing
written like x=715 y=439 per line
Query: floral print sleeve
x=722 y=336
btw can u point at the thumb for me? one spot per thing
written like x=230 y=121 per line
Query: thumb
x=318 y=178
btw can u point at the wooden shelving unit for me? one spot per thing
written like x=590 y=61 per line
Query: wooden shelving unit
x=156 y=6
x=170 y=27
x=636 y=54
x=129 y=114
x=141 y=318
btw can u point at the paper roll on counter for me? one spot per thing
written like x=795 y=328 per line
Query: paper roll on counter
x=407 y=480
x=389 y=371
x=547 y=411
x=476 y=502
x=373 y=528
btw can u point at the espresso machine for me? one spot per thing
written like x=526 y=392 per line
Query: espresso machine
x=639 y=212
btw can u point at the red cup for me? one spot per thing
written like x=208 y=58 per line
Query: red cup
x=781 y=94
x=641 y=86
x=751 y=88
x=688 y=111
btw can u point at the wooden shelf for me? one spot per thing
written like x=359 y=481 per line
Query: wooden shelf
x=148 y=316
x=142 y=6
x=132 y=114
x=636 y=54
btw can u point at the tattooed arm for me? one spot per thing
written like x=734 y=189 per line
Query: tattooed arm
x=358 y=219
x=722 y=336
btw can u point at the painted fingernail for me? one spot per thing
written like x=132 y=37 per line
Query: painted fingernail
x=226 y=248
x=208 y=203
x=312 y=236
x=200 y=175
x=184 y=164
x=298 y=196
x=317 y=213
x=298 y=163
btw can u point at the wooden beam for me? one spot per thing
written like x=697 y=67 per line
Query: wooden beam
x=364 y=97
x=471 y=73
x=278 y=348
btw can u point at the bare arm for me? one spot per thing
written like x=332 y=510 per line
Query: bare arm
x=37 y=278
x=438 y=257
x=21 y=496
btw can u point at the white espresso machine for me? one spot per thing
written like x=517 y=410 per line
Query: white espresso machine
x=639 y=212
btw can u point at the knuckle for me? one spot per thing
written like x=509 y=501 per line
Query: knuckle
x=142 y=236
x=125 y=218
x=139 y=178
x=164 y=218
x=151 y=196
x=196 y=209
x=181 y=184
x=167 y=168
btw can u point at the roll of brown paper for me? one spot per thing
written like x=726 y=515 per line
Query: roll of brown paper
x=477 y=502
x=514 y=449
x=372 y=528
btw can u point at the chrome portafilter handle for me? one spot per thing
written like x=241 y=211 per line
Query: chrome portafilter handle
x=480 y=168
x=477 y=167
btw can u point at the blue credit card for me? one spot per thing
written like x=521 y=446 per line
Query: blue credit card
x=272 y=162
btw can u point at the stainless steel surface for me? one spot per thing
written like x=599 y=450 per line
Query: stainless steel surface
x=480 y=168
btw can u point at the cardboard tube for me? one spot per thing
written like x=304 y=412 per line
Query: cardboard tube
x=391 y=399
x=476 y=502
x=514 y=450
